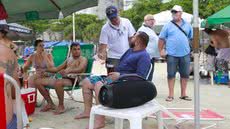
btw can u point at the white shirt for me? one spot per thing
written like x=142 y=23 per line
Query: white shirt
x=116 y=38
x=152 y=47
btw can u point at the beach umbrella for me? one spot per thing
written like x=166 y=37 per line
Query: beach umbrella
x=17 y=31
x=18 y=10
x=220 y=18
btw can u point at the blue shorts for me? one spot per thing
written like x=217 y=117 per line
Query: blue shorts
x=13 y=123
x=180 y=64
x=104 y=79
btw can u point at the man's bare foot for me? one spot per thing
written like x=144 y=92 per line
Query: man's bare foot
x=59 y=110
x=82 y=115
x=99 y=122
x=48 y=107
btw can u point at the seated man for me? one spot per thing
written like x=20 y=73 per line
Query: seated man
x=135 y=61
x=8 y=65
x=74 y=64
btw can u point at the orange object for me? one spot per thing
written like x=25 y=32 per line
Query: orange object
x=25 y=84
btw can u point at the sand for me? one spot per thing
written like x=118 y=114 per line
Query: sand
x=214 y=97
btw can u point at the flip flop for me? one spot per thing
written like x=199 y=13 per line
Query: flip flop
x=185 y=98
x=169 y=99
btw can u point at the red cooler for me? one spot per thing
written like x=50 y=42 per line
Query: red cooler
x=29 y=97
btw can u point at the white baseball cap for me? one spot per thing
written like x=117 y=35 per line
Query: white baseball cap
x=177 y=8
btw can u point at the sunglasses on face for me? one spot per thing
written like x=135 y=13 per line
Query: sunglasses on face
x=174 y=11
x=41 y=45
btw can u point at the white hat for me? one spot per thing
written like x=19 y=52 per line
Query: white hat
x=177 y=8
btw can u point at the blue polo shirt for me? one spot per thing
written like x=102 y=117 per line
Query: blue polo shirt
x=177 y=44
x=137 y=62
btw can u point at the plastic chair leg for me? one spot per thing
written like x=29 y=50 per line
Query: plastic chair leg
x=160 y=120
x=91 y=120
x=118 y=123
x=136 y=123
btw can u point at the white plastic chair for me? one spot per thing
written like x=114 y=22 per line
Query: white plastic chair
x=18 y=100
x=134 y=115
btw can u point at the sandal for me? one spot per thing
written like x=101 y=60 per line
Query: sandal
x=186 y=98
x=169 y=99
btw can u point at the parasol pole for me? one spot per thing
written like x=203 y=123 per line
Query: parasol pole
x=74 y=27
x=196 y=64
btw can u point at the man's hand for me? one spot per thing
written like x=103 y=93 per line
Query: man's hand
x=63 y=72
x=96 y=57
x=114 y=75
x=163 y=53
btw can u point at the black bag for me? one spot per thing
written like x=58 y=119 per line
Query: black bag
x=127 y=91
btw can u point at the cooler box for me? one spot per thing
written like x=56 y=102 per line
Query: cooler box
x=221 y=78
x=29 y=97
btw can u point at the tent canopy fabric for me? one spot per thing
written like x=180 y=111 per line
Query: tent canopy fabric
x=43 y=9
x=164 y=17
x=220 y=18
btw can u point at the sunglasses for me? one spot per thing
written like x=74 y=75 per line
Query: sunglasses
x=41 y=45
x=174 y=11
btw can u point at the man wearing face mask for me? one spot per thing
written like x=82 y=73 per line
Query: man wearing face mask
x=174 y=44
x=152 y=47
x=114 y=38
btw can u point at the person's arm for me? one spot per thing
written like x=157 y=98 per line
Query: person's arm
x=49 y=59
x=131 y=31
x=102 y=54
x=27 y=65
x=103 y=41
x=143 y=66
x=161 y=42
x=57 y=69
x=80 y=69
x=161 y=46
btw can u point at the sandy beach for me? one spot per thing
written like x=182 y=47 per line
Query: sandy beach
x=212 y=97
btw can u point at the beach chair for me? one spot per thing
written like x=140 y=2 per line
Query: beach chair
x=182 y=115
x=60 y=53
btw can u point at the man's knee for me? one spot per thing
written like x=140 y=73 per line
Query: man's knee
x=86 y=84
x=58 y=83
x=98 y=86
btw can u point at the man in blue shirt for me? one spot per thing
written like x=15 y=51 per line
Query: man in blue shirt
x=174 y=37
x=134 y=61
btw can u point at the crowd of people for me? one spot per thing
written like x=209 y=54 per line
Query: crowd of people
x=124 y=50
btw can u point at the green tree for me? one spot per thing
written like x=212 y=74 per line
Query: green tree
x=143 y=7
x=92 y=32
x=37 y=26
x=140 y=9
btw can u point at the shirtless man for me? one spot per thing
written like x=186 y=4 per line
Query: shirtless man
x=8 y=65
x=74 y=64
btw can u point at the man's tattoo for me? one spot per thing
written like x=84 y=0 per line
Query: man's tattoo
x=9 y=66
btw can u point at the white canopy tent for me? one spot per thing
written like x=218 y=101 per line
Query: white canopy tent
x=164 y=17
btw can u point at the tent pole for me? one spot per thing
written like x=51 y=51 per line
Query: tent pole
x=196 y=64
x=74 y=27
